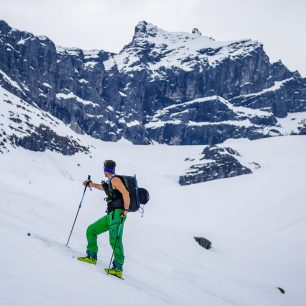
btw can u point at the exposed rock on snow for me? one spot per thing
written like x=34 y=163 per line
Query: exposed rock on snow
x=205 y=243
x=215 y=162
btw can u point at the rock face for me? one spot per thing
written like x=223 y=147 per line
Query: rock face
x=173 y=88
x=24 y=125
x=208 y=120
x=215 y=163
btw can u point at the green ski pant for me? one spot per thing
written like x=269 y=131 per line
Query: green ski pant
x=111 y=222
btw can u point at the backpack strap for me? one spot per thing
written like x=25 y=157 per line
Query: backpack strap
x=114 y=197
x=109 y=182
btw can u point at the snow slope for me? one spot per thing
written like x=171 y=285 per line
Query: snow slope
x=26 y=125
x=256 y=224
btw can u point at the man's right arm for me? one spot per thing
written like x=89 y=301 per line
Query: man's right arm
x=93 y=185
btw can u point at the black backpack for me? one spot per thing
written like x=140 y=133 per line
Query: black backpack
x=138 y=196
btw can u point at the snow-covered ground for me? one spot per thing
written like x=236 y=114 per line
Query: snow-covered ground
x=256 y=223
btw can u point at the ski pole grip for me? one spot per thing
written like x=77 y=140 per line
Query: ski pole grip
x=88 y=181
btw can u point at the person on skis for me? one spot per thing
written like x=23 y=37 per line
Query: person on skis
x=118 y=202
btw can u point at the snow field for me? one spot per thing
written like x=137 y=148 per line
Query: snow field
x=255 y=222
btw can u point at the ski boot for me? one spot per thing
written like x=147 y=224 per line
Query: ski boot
x=114 y=271
x=89 y=259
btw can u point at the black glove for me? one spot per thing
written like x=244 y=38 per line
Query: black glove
x=86 y=183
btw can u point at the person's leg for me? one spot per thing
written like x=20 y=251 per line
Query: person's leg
x=116 y=230
x=93 y=230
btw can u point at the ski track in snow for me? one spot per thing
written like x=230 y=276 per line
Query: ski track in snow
x=255 y=222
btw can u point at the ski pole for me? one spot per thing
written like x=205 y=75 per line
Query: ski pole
x=119 y=227
x=88 y=180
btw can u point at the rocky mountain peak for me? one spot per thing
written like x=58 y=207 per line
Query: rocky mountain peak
x=4 y=27
x=155 y=50
x=145 y=28
x=145 y=31
x=196 y=31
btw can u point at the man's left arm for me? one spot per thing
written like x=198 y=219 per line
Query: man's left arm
x=117 y=184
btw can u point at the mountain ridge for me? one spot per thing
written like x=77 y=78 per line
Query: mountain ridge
x=111 y=96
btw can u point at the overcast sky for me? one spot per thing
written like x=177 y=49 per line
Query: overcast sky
x=109 y=24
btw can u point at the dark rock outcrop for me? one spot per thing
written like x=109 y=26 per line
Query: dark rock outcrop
x=46 y=139
x=203 y=242
x=208 y=120
x=24 y=125
x=215 y=163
